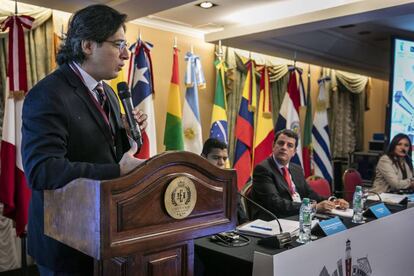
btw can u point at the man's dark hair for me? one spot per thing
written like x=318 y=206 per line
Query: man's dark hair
x=212 y=143
x=289 y=133
x=391 y=148
x=95 y=23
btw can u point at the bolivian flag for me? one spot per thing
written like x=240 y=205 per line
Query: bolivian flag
x=173 y=135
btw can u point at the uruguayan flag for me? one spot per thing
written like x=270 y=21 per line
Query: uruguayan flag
x=322 y=161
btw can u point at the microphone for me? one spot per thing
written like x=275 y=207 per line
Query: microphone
x=280 y=240
x=375 y=193
x=125 y=96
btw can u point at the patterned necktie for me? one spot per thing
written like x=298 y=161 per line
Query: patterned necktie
x=102 y=97
x=286 y=175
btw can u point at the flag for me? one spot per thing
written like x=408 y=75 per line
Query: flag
x=322 y=161
x=245 y=129
x=307 y=133
x=264 y=124
x=173 y=135
x=194 y=79
x=17 y=72
x=141 y=83
x=14 y=192
x=289 y=114
x=218 y=128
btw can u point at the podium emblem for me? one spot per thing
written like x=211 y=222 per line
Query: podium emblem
x=180 y=197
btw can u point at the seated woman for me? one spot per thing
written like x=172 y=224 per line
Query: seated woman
x=394 y=169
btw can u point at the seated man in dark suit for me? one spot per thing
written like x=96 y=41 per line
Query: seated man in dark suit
x=279 y=185
x=215 y=152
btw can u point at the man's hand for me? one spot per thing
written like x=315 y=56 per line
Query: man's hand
x=128 y=161
x=341 y=203
x=140 y=117
x=325 y=206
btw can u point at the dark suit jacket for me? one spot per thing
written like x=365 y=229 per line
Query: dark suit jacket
x=65 y=137
x=271 y=190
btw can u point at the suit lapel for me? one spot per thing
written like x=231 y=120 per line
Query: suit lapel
x=278 y=175
x=84 y=94
x=295 y=179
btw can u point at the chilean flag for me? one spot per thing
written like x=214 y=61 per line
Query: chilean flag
x=141 y=83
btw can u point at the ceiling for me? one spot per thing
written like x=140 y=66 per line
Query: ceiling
x=351 y=35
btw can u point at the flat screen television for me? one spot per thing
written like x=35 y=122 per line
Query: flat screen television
x=401 y=101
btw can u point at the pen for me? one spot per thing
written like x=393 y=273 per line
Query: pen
x=261 y=227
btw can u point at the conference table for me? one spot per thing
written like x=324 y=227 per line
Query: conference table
x=215 y=259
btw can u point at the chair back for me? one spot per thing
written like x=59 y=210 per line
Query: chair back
x=247 y=191
x=319 y=185
x=351 y=179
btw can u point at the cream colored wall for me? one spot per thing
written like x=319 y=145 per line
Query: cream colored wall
x=162 y=57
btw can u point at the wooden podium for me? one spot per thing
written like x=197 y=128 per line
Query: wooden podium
x=124 y=225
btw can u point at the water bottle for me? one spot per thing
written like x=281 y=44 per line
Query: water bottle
x=305 y=222
x=358 y=205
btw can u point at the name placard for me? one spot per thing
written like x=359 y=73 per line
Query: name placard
x=332 y=226
x=379 y=210
x=410 y=197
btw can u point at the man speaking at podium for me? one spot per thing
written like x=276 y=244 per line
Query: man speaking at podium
x=280 y=186
x=72 y=127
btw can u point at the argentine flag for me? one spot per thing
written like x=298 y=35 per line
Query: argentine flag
x=194 y=79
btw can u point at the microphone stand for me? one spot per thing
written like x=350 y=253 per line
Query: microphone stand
x=280 y=240
x=365 y=197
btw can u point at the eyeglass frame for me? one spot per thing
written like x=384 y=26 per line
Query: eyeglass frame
x=120 y=44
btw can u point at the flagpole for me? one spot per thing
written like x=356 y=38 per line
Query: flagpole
x=175 y=42
x=219 y=52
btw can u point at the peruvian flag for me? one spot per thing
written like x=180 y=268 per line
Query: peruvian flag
x=14 y=192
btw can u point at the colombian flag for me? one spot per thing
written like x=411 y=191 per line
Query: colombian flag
x=245 y=128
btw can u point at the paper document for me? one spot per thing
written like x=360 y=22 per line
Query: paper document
x=263 y=228
x=348 y=213
x=388 y=198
